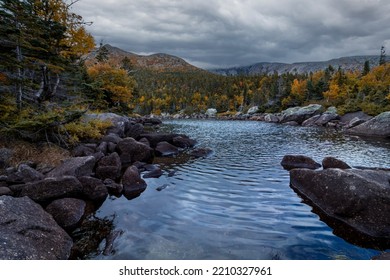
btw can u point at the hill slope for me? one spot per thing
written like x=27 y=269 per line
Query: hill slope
x=346 y=63
x=156 y=62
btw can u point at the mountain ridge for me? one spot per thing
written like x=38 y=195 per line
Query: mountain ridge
x=349 y=63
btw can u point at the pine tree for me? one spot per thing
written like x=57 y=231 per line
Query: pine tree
x=366 y=68
x=382 y=57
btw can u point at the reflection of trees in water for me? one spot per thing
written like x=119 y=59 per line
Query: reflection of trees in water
x=91 y=234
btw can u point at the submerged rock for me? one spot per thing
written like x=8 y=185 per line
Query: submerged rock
x=299 y=161
x=133 y=184
x=165 y=149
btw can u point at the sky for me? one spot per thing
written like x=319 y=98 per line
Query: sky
x=227 y=33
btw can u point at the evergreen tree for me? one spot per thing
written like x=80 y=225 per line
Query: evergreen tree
x=382 y=57
x=366 y=68
x=102 y=53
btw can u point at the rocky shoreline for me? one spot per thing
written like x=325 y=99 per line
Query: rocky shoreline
x=42 y=211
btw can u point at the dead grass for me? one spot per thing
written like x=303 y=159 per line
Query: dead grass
x=42 y=154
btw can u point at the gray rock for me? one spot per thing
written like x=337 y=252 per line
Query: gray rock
x=331 y=110
x=271 y=118
x=52 y=188
x=82 y=151
x=292 y=123
x=378 y=126
x=5 y=191
x=76 y=166
x=155 y=138
x=5 y=157
x=67 y=212
x=300 y=114
x=93 y=189
x=131 y=151
x=134 y=130
x=27 y=232
x=311 y=121
x=345 y=119
x=166 y=149
x=359 y=199
x=253 y=110
x=111 y=137
x=156 y=173
x=211 y=113
x=355 y=121
x=113 y=187
x=325 y=118
x=109 y=167
x=24 y=174
x=299 y=161
x=103 y=146
x=331 y=162
x=133 y=184
x=111 y=147
x=183 y=142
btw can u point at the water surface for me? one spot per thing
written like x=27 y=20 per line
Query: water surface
x=237 y=203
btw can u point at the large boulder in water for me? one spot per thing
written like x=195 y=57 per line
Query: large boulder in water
x=27 y=232
x=299 y=161
x=378 y=126
x=130 y=151
x=300 y=114
x=133 y=184
x=358 y=199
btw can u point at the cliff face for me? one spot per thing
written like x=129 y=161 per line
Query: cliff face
x=157 y=62
x=346 y=63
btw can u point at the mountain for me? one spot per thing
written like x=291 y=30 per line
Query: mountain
x=346 y=63
x=157 y=62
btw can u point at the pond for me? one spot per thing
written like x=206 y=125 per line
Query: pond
x=237 y=203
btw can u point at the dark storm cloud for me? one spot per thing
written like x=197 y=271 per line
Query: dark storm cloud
x=216 y=33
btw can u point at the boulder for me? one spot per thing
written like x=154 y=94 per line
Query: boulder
x=103 y=147
x=166 y=149
x=292 y=123
x=378 y=126
x=150 y=121
x=67 y=212
x=155 y=138
x=82 y=151
x=112 y=138
x=211 y=112
x=183 y=142
x=27 y=232
x=253 y=110
x=331 y=162
x=201 y=152
x=130 y=151
x=300 y=114
x=113 y=187
x=134 y=130
x=325 y=118
x=354 y=122
x=5 y=191
x=118 y=122
x=331 y=110
x=345 y=119
x=299 y=161
x=109 y=167
x=133 y=184
x=52 y=188
x=93 y=189
x=360 y=199
x=5 y=157
x=311 y=121
x=154 y=171
x=24 y=174
x=76 y=166
x=111 y=147
x=271 y=118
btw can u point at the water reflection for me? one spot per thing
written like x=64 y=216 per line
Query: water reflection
x=237 y=203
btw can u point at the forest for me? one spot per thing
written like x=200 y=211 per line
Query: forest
x=46 y=84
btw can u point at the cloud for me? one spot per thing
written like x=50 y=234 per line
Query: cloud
x=217 y=33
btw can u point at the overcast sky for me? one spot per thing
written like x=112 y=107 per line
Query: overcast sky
x=221 y=33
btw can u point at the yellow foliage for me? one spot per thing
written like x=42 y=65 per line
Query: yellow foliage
x=93 y=129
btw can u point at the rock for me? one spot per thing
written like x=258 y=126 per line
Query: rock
x=349 y=116
x=331 y=162
x=144 y=141
x=162 y=187
x=111 y=147
x=67 y=212
x=134 y=130
x=155 y=138
x=131 y=151
x=165 y=149
x=292 y=123
x=150 y=121
x=253 y=110
x=382 y=256
x=360 y=199
x=109 y=167
x=133 y=184
x=183 y=142
x=211 y=112
x=24 y=174
x=27 y=232
x=82 y=151
x=112 y=187
x=271 y=118
x=112 y=138
x=118 y=122
x=300 y=114
x=103 y=147
x=76 y=166
x=52 y=188
x=378 y=126
x=109 y=247
x=354 y=122
x=331 y=110
x=325 y=118
x=299 y=161
x=5 y=191
x=201 y=152
x=311 y=121
x=93 y=189
x=98 y=156
x=5 y=157
x=157 y=173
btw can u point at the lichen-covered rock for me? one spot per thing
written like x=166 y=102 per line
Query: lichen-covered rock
x=300 y=114
x=27 y=232
x=378 y=126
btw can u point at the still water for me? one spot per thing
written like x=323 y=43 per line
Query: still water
x=237 y=203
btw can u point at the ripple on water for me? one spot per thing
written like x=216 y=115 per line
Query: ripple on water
x=237 y=204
